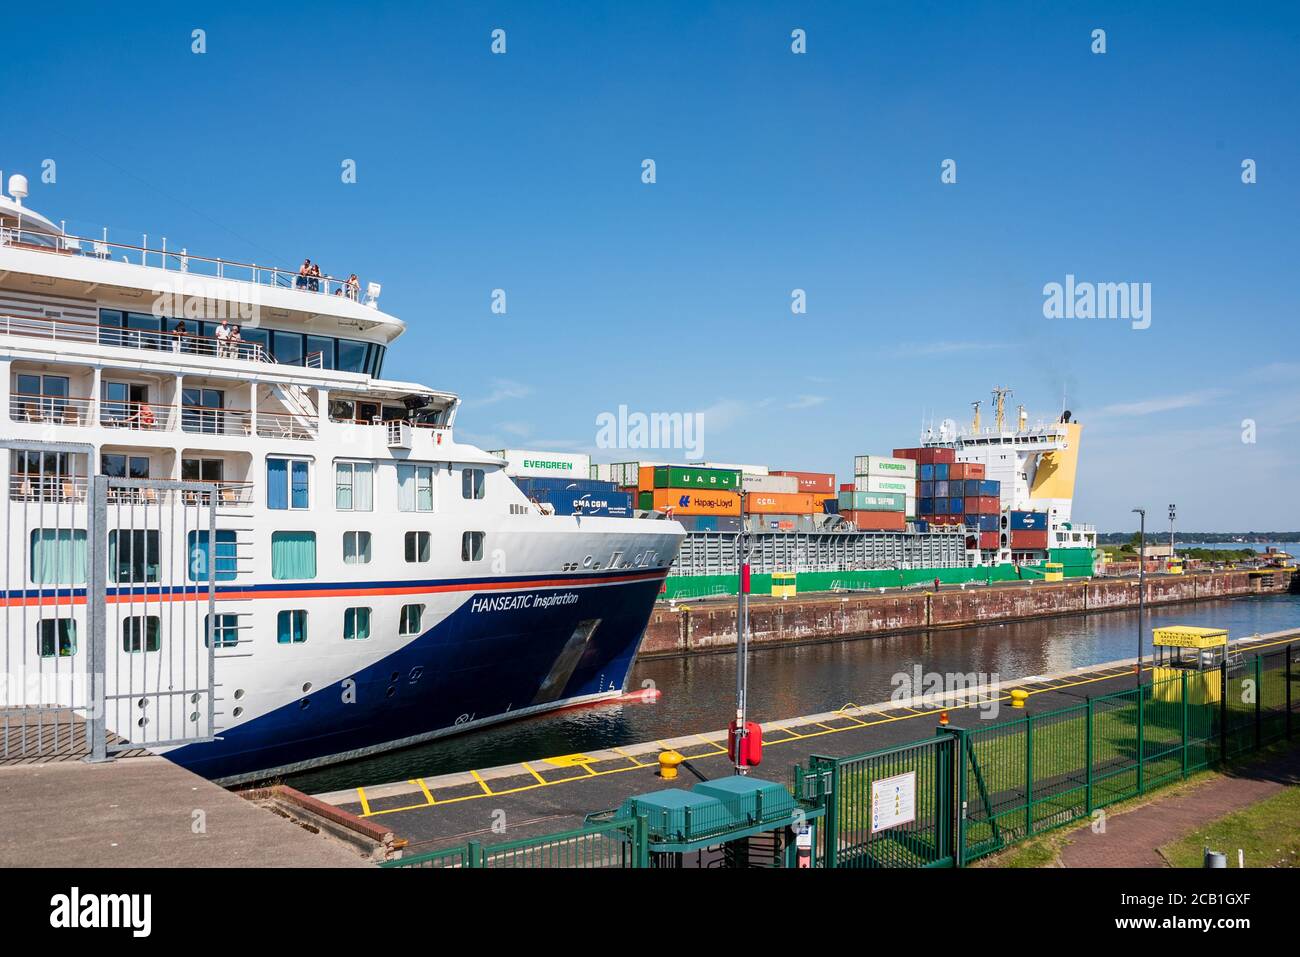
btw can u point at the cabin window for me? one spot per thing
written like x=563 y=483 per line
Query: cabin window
x=293 y=555
x=291 y=627
x=141 y=633
x=201 y=410
x=471 y=547
x=417 y=546
x=56 y=637
x=356 y=624
x=115 y=465
x=287 y=348
x=59 y=556
x=40 y=397
x=471 y=483
x=410 y=620
x=221 y=630
x=356 y=548
x=353 y=486
x=415 y=488
x=202 y=470
x=288 y=483
x=123 y=403
x=352 y=356
x=320 y=352
x=133 y=555
x=227 y=563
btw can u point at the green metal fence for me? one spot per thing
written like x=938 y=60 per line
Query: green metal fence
x=610 y=844
x=978 y=790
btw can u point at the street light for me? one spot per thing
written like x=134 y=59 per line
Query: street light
x=1173 y=511
x=1142 y=567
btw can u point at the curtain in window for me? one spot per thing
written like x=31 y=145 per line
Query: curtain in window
x=293 y=555
x=406 y=488
x=291 y=627
x=277 y=483
x=356 y=624
x=59 y=556
x=343 y=485
x=362 y=486
x=298 y=485
x=424 y=483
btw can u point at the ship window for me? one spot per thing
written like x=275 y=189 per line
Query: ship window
x=417 y=546
x=56 y=637
x=356 y=624
x=137 y=559
x=227 y=564
x=342 y=410
x=291 y=627
x=202 y=470
x=123 y=466
x=221 y=629
x=121 y=401
x=324 y=346
x=141 y=633
x=287 y=347
x=471 y=547
x=201 y=410
x=352 y=356
x=52 y=390
x=415 y=488
x=147 y=331
x=410 y=621
x=288 y=483
x=59 y=556
x=471 y=483
x=256 y=338
x=353 y=485
x=356 y=548
x=293 y=555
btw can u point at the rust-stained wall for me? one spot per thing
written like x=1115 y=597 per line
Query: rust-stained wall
x=708 y=627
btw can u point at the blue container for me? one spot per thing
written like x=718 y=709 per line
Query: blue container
x=926 y=490
x=830 y=506
x=956 y=506
x=988 y=487
x=989 y=523
x=925 y=506
x=1029 y=521
x=922 y=525
x=941 y=489
x=971 y=488
x=941 y=471
x=927 y=473
x=577 y=486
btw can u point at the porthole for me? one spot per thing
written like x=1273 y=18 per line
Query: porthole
x=239 y=693
x=194 y=717
x=394 y=677
x=194 y=699
x=391 y=691
x=586 y=562
x=238 y=712
x=304 y=704
x=143 y=702
x=306 y=687
x=142 y=722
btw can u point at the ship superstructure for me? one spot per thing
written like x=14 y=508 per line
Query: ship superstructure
x=280 y=557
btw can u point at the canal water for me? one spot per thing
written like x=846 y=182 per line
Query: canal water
x=698 y=693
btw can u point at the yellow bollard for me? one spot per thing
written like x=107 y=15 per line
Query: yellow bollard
x=1018 y=697
x=668 y=761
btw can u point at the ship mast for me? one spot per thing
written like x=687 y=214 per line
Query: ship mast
x=1000 y=405
x=975 y=422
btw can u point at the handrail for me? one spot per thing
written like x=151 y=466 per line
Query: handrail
x=76 y=330
x=147 y=416
x=66 y=244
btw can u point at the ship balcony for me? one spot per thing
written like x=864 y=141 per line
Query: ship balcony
x=47 y=488
x=73 y=331
x=51 y=409
x=284 y=425
x=136 y=416
x=182 y=261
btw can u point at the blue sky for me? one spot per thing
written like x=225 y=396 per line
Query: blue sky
x=775 y=172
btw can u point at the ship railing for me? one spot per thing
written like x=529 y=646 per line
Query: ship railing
x=181 y=260
x=276 y=425
x=209 y=421
x=73 y=330
x=143 y=416
x=51 y=409
x=230 y=494
x=46 y=488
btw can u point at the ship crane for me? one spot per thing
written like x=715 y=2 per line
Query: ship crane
x=975 y=422
x=1000 y=405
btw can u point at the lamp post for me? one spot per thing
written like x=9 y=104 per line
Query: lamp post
x=1173 y=511
x=1142 y=576
x=744 y=548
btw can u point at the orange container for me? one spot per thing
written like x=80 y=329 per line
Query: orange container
x=975 y=470
x=645 y=478
x=957 y=472
x=780 y=503
x=819 y=483
x=877 y=521
x=690 y=501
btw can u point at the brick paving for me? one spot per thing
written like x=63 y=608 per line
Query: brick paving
x=1131 y=838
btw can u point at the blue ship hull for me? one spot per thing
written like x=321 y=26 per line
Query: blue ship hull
x=480 y=664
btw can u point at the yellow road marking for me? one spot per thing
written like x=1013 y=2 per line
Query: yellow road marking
x=568 y=760
x=425 y=788
x=884 y=719
x=529 y=767
x=631 y=758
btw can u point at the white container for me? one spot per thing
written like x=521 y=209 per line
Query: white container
x=884 y=466
x=628 y=473
x=732 y=467
x=535 y=464
x=601 y=471
x=769 y=483
x=884 y=483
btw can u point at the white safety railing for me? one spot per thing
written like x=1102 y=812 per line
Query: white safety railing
x=71 y=330
x=51 y=409
x=275 y=425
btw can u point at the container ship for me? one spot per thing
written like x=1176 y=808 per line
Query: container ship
x=967 y=504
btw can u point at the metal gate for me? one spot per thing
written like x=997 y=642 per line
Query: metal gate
x=890 y=808
x=156 y=555
x=107 y=591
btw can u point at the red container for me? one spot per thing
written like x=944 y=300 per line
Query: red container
x=989 y=539
x=846 y=486
x=913 y=454
x=988 y=505
x=957 y=472
x=751 y=745
x=817 y=482
x=1032 y=540
x=975 y=470
x=877 y=521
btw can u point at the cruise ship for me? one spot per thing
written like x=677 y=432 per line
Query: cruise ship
x=255 y=552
